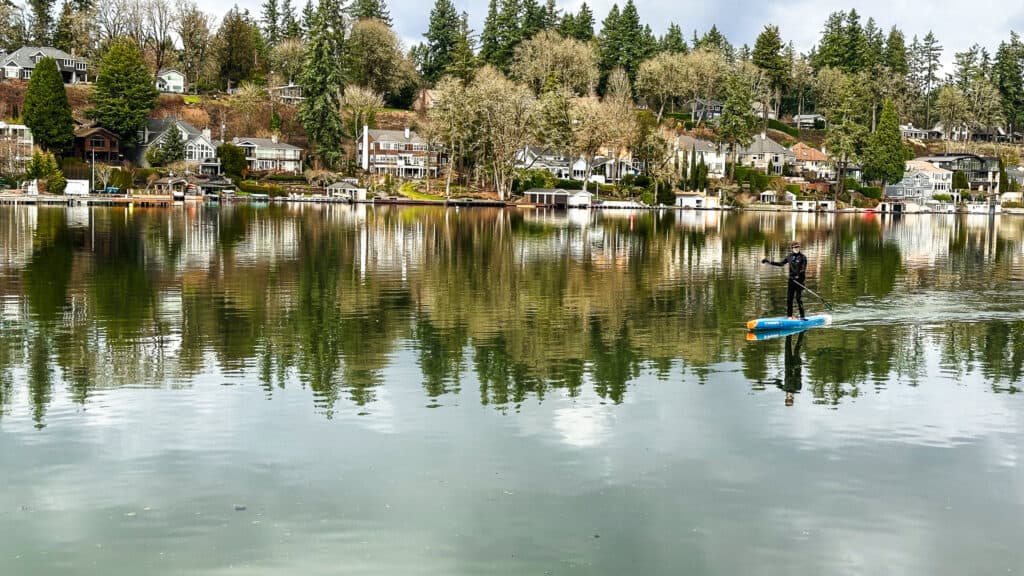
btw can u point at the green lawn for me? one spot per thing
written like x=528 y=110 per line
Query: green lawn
x=409 y=191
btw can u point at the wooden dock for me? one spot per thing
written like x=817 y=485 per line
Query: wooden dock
x=137 y=200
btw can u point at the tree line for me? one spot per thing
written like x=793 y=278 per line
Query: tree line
x=350 y=63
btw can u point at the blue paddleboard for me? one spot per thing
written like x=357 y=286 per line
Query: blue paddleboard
x=770 y=334
x=784 y=323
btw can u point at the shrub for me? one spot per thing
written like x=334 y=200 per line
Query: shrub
x=794 y=188
x=647 y=198
x=785 y=128
x=285 y=178
x=569 y=184
x=526 y=179
x=943 y=197
x=851 y=185
x=871 y=192
x=1013 y=204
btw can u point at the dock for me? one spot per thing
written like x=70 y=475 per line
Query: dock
x=138 y=200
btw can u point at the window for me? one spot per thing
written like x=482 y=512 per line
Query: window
x=97 y=142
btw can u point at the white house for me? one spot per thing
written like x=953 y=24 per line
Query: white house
x=347 y=190
x=16 y=145
x=697 y=201
x=921 y=182
x=771 y=196
x=20 y=63
x=807 y=121
x=714 y=156
x=401 y=153
x=170 y=80
x=762 y=152
x=537 y=158
x=558 y=198
x=199 y=145
x=813 y=162
x=270 y=155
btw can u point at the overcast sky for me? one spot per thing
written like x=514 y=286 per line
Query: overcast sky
x=956 y=24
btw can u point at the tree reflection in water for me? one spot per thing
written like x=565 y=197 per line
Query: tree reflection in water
x=520 y=303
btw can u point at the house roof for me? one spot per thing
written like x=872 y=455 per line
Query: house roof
x=805 y=153
x=764 y=145
x=265 y=143
x=158 y=126
x=344 y=186
x=168 y=71
x=22 y=57
x=86 y=131
x=396 y=136
x=689 y=143
x=925 y=166
x=807 y=116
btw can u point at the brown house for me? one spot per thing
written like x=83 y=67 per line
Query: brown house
x=104 y=143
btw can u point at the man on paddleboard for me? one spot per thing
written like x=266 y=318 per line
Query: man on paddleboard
x=797 y=277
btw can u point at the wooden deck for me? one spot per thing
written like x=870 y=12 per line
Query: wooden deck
x=92 y=200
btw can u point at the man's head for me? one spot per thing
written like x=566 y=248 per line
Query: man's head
x=789 y=398
x=795 y=246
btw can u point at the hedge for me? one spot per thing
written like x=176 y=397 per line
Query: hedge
x=254 y=188
x=776 y=125
x=285 y=178
x=793 y=188
x=1013 y=204
x=871 y=192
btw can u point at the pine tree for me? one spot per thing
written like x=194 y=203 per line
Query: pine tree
x=463 y=61
x=308 y=18
x=64 y=33
x=714 y=40
x=1008 y=76
x=931 y=53
x=46 y=110
x=874 y=45
x=364 y=9
x=489 y=40
x=885 y=155
x=289 y=27
x=171 y=149
x=673 y=41
x=442 y=36
x=854 y=43
x=583 y=24
x=736 y=125
x=124 y=93
x=768 y=56
x=550 y=20
x=694 y=174
x=895 y=54
x=510 y=33
x=322 y=81
x=831 y=50
x=609 y=43
x=533 y=16
x=42 y=21
x=236 y=47
x=271 y=22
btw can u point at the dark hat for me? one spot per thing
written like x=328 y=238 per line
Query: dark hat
x=795 y=244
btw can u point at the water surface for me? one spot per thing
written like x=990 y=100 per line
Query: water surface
x=334 y=390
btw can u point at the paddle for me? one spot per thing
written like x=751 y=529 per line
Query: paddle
x=828 y=305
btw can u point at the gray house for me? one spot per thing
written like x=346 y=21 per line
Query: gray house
x=763 y=151
x=20 y=63
x=199 y=145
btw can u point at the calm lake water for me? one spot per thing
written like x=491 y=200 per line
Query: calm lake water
x=268 y=390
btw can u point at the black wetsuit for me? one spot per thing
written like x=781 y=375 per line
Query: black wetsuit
x=797 y=273
x=794 y=366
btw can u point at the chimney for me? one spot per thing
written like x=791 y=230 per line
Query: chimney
x=366 y=147
x=207 y=133
x=406 y=132
x=762 y=135
x=273 y=137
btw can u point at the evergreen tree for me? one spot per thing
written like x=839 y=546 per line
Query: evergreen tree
x=831 y=50
x=42 y=21
x=289 y=26
x=232 y=160
x=884 y=156
x=583 y=24
x=768 y=55
x=236 y=47
x=509 y=26
x=43 y=166
x=64 y=32
x=308 y=18
x=172 y=147
x=736 y=125
x=673 y=41
x=363 y=9
x=533 y=16
x=46 y=110
x=714 y=40
x=854 y=43
x=463 y=61
x=609 y=43
x=874 y=45
x=124 y=94
x=895 y=54
x=322 y=82
x=694 y=176
x=442 y=36
x=489 y=40
x=567 y=25
x=550 y=20
x=931 y=53
x=1008 y=77
x=271 y=22
x=624 y=42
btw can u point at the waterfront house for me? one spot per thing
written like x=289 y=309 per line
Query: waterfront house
x=763 y=152
x=16 y=147
x=400 y=153
x=289 y=93
x=982 y=172
x=714 y=156
x=425 y=100
x=270 y=155
x=921 y=182
x=771 y=197
x=347 y=190
x=697 y=201
x=558 y=198
x=603 y=169
x=910 y=132
x=701 y=109
x=200 y=148
x=538 y=158
x=812 y=163
x=20 y=63
x=97 y=143
x=808 y=121
x=171 y=81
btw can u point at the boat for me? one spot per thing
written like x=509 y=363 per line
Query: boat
x=785 y=323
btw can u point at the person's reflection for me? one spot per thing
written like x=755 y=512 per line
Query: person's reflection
x=793 y=379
